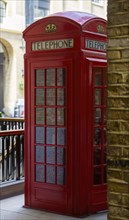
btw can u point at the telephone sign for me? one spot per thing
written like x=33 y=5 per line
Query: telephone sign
x=53 y=44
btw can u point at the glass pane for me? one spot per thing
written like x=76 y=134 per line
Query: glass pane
x=97 y=77
x=98 y=116
x=97 y=175
x=39 y=77
x=97 y=156
x=50 y=116
x=61 y=136
x=105 y=97
x=60 y=97
x=50 y=174
x=105 y=77
x=98 y=96
x=50 y=96
x=39 y=115
x=105 y=136
x=60 y=175
x=60 y=155
x=39 y=154
x=39 y=96
x=105 y=174
x=50 y=77
x=105 y=154
x=50 y=155
x=60 y=116
x=40 y=135
x=39 y=173
x=60 y=77
x=97 y=136
x=50 y=136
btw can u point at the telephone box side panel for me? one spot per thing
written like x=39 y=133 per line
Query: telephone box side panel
x=96 y=25
x=27 y=134
x=81 y=156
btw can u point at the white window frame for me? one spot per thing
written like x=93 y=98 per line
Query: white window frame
x=2 y=10
x=97 y=2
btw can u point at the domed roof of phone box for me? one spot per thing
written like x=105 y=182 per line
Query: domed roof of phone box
x=65 y=21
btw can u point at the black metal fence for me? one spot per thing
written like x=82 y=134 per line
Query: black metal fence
x=11 y=149
x=11 y=123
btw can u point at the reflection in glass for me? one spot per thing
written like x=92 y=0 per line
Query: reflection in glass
x=40 y=154
x=39 y=77
x=60 y=116
x=97 y=156
x=50 y=174
x=50 y=155
x=39 y=115
x=60 y=97
x=60 y=175
x=61 y=136
x=50 y=77
x=39 y=96
x=105 y=96
x=50 y=135
x=98 y=95
x=39 y=173
x=97 y=135
x=97 y=77
x=105 y=174
x=105 y=77
x=105 y=154
x=60 y=77
x=50 y=116
x=39 y=135
x=60 y=155
x=98 y=116
x=97 y=175
x=105 y=135
x=50 y=96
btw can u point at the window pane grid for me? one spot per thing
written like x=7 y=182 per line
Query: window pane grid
x=50 y=122
x=99 y=134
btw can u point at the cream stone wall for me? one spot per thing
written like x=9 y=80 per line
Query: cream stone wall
x=80 y=5
x=11 y=39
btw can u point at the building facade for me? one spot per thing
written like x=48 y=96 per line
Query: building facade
x=97 y=7
x=12 y=22
x=15 y=16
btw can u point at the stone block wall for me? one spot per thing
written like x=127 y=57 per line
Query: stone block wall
x=118 y=109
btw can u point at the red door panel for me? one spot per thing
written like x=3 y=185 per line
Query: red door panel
x=49 y=139
x=97 y=136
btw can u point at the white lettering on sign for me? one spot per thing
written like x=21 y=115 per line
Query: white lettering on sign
x=53 y=44
x=96 y=45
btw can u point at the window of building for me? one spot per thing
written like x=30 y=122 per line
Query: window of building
x=97 y=1
x=40 y=12
x=2 y=10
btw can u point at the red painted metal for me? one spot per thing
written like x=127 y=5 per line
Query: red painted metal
x=71 y=45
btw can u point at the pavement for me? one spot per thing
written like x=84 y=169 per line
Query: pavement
x=12 y=209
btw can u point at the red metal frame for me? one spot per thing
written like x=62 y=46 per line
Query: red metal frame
x=75 y=42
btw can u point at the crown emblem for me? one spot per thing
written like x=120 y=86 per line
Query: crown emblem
x=100 y=29
x=50 y=28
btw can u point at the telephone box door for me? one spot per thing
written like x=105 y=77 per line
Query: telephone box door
x=49 y=141
x=97 y=134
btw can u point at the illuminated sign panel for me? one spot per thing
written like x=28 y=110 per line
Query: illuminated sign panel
x=53 y=44
x=95 y=45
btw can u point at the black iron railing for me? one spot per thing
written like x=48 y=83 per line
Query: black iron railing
x=12 y=155
x=11 y=123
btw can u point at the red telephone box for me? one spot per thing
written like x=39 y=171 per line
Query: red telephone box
x=65 y=141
